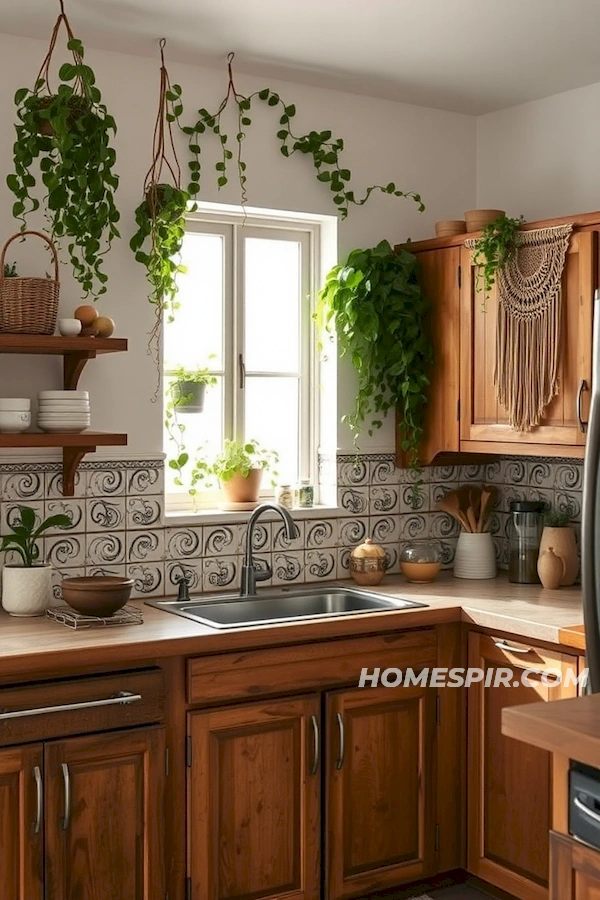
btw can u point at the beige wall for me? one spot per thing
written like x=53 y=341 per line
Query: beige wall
x=426 y=150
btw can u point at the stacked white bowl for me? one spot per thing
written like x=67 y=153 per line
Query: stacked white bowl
x=15 y=414
x=63 y=411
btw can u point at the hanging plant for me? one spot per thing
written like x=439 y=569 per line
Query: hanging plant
x=160 y=217
x=67 y=133
x=379 y=312
x=496 y=246
x=324 y=149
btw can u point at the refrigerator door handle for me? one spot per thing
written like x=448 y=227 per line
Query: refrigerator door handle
x=590 y=514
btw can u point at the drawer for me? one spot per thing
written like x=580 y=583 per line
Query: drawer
x=50 y=709
x=284 y=670
x=524 y=655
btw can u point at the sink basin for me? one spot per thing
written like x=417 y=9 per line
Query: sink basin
x=236 y=612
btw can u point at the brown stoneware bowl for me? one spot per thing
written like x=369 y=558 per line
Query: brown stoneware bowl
x=97 y=595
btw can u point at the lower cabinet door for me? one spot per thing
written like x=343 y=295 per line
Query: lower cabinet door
x=574 y=870
x=509 y=782
x=253 y=801
x=380 y=784
x=21 y=823
x=105 y=816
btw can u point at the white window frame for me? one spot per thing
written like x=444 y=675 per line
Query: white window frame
x=306 y=231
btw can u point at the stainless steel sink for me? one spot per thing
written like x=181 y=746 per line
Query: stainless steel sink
x=233 y=611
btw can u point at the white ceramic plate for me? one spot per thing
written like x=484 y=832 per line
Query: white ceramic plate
x=63 y=429
x=59 y=410
x=59 y=395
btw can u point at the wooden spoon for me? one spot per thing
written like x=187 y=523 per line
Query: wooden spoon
x=488 y=495
x=450 y=504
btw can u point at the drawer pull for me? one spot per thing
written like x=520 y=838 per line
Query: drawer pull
x=586 y=811
x=122 y=698
x=504 y=645
x=65 y=821
x=316 y=745
x=39 y=808
x=583 y=386
x=340 y=722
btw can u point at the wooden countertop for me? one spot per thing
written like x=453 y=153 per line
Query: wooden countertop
x=569 y=727
x=36 y=645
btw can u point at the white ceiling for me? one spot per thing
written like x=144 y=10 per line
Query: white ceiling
x=470 y=56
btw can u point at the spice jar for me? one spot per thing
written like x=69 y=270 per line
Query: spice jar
x=367 y=563
x=306 y=494
x=284 y=495
x=524 y=535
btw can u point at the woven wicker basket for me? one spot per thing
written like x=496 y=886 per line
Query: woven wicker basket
x=28 y=305
x=477 y=219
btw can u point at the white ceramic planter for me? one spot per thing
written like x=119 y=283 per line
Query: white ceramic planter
x=26 y=591
x=475 y=556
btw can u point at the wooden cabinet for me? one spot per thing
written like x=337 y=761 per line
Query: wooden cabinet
x=104 y=816
x=509 y=782
x=483 y=420
x=575 y=870
x=439 y=275
x=253 y=801
x=379 y=788
x=21 y=832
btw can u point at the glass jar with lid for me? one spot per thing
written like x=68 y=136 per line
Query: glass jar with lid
x=524 y=535
x=420 y=561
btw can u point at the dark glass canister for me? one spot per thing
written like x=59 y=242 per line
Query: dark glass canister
x=524 y=535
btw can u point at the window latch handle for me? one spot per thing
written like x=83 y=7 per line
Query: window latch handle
x=242 y=367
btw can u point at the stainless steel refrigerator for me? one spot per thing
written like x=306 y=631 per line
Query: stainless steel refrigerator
x=590 y=518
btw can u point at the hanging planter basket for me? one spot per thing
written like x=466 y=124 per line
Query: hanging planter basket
x=28 y=305
x=188 y=396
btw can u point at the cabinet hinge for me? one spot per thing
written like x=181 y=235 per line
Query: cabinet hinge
x=459 y=276
x=438 y=712
x=188 y=889
x=167 y=761
x=436 y=843
x=188 y=751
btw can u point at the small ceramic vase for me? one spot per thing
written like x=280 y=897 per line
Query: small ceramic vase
x=562 y=541
x=367 y=563
x=550 y=569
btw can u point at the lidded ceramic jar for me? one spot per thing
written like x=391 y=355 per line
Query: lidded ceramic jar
x=367 y=563
x=420 y=561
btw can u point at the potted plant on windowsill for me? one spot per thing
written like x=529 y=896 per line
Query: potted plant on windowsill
x=27 y=587
x=188 y=388
x=239 y=468
x=558 y=533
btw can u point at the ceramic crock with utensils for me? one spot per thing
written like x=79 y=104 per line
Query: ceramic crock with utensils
x=470 y=505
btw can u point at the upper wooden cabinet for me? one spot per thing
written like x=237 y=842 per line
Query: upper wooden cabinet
x=463 y=413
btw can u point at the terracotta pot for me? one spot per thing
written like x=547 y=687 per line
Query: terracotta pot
x=26 y=590
x=562 y=541
x=550 y=569
x=243 y=490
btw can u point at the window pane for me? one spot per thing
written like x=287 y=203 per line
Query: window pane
x=272 y=281
x=272 y=420
x=203 y=435
x=197 y=332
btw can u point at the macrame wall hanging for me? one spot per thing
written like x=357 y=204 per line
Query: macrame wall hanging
x=528 y=333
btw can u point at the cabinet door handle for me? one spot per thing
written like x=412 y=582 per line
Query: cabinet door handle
x=316 y=745
x=587 y=811
x=39 y=807
x=583 y=386
x=340 y=723
x=121 y=698
x=504 y=645
x=66 y=820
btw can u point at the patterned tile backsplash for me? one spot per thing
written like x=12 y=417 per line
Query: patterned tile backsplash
x=119 y=525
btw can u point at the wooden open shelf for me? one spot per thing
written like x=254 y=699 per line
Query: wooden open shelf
x=75 y=350
x=74 y=447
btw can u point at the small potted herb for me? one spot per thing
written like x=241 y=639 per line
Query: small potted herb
x=558 y=534
x=26 y=586
x=188 y=389
x=239 y=468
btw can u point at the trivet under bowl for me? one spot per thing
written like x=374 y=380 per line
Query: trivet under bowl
x=128 y=615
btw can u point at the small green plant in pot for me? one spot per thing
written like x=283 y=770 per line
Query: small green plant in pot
x=559 y=535
x=188 y=389
x=27 y=586
x=239 y=468
x=496 y=246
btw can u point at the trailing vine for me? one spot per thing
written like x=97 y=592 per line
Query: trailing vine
x=324 y=149
x=160 y=217
x=69 y=131
x=496 y=246
x=379 y=312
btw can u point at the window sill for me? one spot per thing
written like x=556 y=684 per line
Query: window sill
x=222 y=517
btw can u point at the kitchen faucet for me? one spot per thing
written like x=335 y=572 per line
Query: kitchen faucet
x=250 y=572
